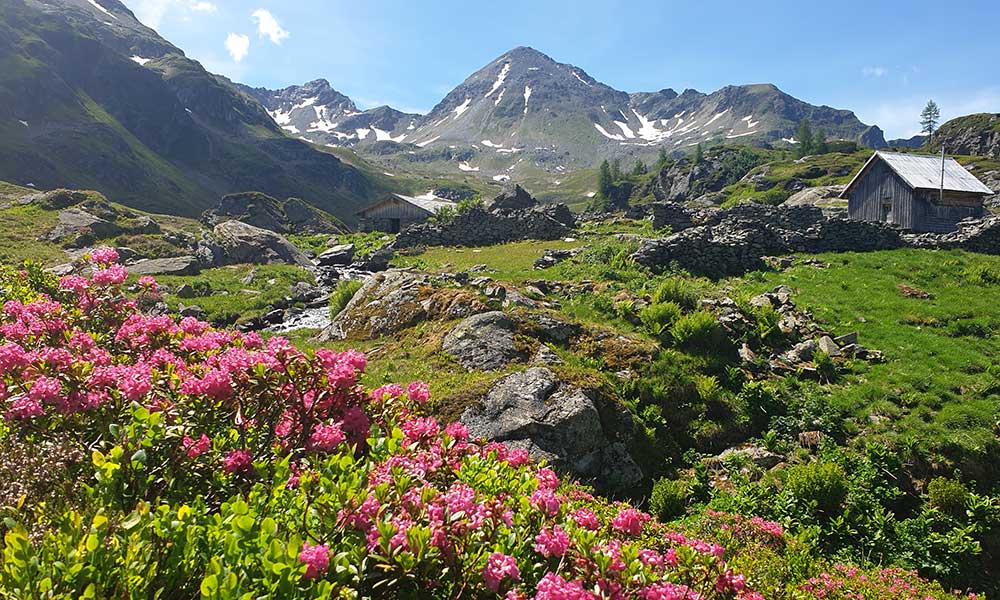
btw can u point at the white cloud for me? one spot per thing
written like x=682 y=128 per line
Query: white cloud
x=268 y=26
x=874 y=71
x=238 y=46
x=152 y=12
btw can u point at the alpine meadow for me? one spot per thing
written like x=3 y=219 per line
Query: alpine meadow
x=379 y=300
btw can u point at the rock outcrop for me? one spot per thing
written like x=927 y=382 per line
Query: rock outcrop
x=568 y=426
x=281 y=216
x=513 y=197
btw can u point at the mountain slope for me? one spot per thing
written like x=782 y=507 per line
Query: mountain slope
x=91 y=98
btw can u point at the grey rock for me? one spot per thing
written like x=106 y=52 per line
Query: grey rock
x=513 y=197
x=532 y=409
x=177 y=265
x=184 y=291
x=192 y=311
x=341 y=254
x=243 y=243
x=546 y=356
x=847 y=339
x=802 y=352
x=84 y=226
x=762 y=457
x=386 y=303
x=483 y=342
x=827 y=345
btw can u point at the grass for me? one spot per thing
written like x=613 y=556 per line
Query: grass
x=20 y=229
x=928 y=393
x=512 y=262
x=227 y=299
x=836 y=168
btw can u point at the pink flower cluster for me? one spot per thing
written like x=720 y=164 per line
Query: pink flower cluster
x=316 y=558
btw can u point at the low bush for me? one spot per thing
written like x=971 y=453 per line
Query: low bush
x=659 y=317
x=669 y=498
x=699 y=331
x=821 y=486
x=947 y=495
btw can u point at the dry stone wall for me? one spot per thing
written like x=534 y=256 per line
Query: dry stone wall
x=481 y=227
x=733 y=241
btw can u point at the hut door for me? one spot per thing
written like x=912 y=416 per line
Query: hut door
x=393 y=225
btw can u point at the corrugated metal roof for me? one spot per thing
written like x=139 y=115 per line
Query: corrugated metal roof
x=923 y=171
x=427 y=204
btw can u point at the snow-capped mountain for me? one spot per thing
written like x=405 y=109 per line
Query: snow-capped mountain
x=526 y=107
x=320 y=114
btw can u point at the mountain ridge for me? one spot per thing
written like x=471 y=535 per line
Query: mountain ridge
x=524 y=104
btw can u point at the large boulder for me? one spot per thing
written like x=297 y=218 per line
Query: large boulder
x=244 y=243
x=513 y=197
x=341 y=254
x=386 y=303
x=566 y=425
x=177 y=265
x=483 y=342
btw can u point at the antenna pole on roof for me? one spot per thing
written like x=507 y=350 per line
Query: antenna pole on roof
x=941 y=196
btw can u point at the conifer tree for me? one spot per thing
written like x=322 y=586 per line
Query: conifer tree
x=929 y=117
x=804 y=137
x=616 y=170
x=661 y=160
x=604 y=183
x=639 y=168
x=699 y=154
x=819 y=142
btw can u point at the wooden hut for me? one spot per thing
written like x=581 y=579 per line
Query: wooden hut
x=395 y=211
x=918 y=192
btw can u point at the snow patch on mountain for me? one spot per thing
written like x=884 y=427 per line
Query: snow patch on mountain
x=461 y=108
x=626 y=130
x=610 y=136
x=527 y=94
x=102 y=9
x=385 y=136
x=582 y=80
x=467 y=167
x=138 y=59
x=425 y=143
x=500 y=79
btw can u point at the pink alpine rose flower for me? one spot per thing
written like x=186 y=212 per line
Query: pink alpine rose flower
x=499 y=568
x=316 y=558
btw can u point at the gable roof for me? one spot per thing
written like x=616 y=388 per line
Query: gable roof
x=923 y=172
x=428 y=205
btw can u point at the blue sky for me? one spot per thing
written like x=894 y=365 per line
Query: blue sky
x=881 y=59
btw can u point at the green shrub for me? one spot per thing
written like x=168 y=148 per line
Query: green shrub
x=698 y=331
x=677 y=290
x=342 y=294
x=659 y=317
x=947 y=495
x=819 y=484
x=982 y=274
x=669 y=498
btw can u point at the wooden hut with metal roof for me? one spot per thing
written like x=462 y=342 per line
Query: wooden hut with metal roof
x=918 y=192
x=395 y=211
